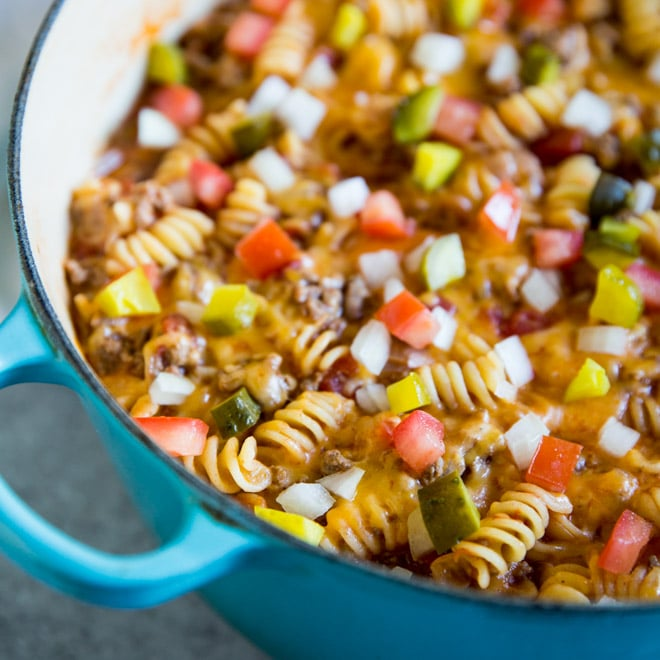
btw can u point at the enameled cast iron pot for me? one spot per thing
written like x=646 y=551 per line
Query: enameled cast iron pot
x=294 y=601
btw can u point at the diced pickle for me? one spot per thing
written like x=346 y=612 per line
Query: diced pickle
x=590 y=381
x=407 y=394
x=448 y=511
x=128 y=295
x=166 y=64
x=250 y=134
x=236 y=414
x=349 y=25
x=602 y=248
x=435 y=162
x=618 y=299
x=540 y=65
x=463 y=14
x=232 y=308
x=415 y=116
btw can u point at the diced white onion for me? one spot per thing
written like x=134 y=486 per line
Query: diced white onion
x=273 y=171
x=372 y=398
x=439 y=53
x=515 y=359
x=524 y=437
x=378 y=267
x=653 y=69
x=319 y=74
x=418 y=536
x=448 y=326
x=616 y=438
x=155 y=130
x=309 y=500
x=301 y=112
x=392 y=288
x=539 y=291
x=504 y=65
x=343 y=484
x=193 y=311
x=608 y=339
x=268 y=96
x=371 y=346
x=416 y=359
x=505 y=390
x=349 y=196
x=401 y=571
x=412 y=262
x=642 y=196
x=589 y=112
x=170 y=389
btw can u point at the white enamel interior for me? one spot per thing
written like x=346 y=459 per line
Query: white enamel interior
x=88 y=73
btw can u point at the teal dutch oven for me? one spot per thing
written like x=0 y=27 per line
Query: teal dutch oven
x=292 y=600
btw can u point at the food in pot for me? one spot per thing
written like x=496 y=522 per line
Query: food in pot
x=388 y=273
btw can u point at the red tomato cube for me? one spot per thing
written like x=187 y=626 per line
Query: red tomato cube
x=179 y=103
x=266 y=249
x=209 y=182
x=457 y=120
x=558 y=145
x=555 y=248
x=382 y=216
x=270 y=7
x=545 y=12
x=178 y=436
x=247 y=34
x=630 y=535
x=553 y=463
x=501 y=212
x=409 y=320
x=419 y=440
x=648 y=281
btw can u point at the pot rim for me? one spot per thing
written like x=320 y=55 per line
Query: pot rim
x=220 y=505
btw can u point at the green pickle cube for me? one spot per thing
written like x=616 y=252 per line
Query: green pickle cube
x=250 y=134
x=463 y=14
x=166 y=64
x=407 y=394
x=416 y=114
x=232 y=308
x=236 y=414
x=448 y=511
x=435 y=162
x=540 y=65
x=349 y=25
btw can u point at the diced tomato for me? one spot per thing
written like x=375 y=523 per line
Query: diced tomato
x=558 y=145
x=408 y=319
x=630 y=535
x=544 y=12
x=419 y=440
x=382 y=217
x=553 y=463
x=648 y=281
x=501 y=212
x=555 y=248
x=457 y=120
x=179 y=103
x=266 y=249
x=247 y=34
x=526 y=321
x=209 y=182
x=179 y=436
x=494 y=15
x=270 y=7
x=339 y=374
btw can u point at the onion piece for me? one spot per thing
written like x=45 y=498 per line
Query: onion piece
x=438 y=53
x=504 y=65
x=589 y=112
x=392 y=288
x=301 y=112
x=401 y=571
x=170 y=389
x=540 y=291
x=607 y=339
x=319 y=74
x=372 y=398
x=448 y=326
x=308 y=500
x=268 y=96
x=343 y=484
x=523 y=439
x=419 y=539
x=155 y=130
x=642 y=196
x=378 y=267
x=348 y=197
x=371 y=346
x=616 y=438
x=412 y=262
x=193 y=311
x=273 y=171
x=515 y=360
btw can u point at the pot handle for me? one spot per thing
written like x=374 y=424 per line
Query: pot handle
x=198 y=551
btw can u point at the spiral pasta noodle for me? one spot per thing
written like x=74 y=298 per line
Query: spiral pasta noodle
x=299 y=428
x=178 y=235
x=644 y=414
x=244 y=208
x=567 y=583
x=642 y=583
x=647 y=504
x=492 y=131
x=286 y=50
x=398 y=18
x=210 y=140
x=230 y=469
x=315 y=349
x=648 y=224
x=510 y=529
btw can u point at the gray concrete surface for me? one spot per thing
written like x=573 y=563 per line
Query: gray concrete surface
x=49 y=454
